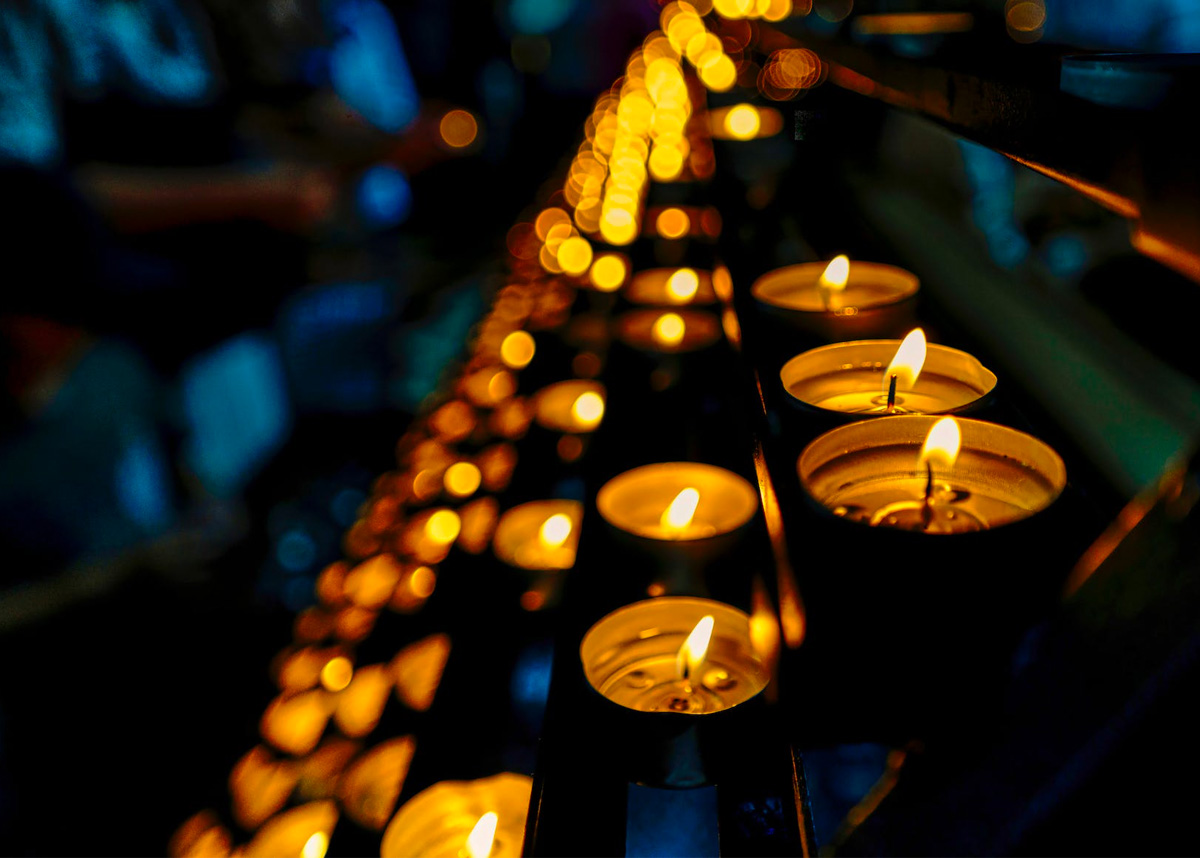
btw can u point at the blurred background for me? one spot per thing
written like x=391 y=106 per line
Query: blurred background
x=241 y=240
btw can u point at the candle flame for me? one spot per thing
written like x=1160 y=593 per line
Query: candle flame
x=588 y=409
x=683 y=285
x=835 y=275
x=482 y=836
x=907 y=363
x=668 y=329
x=691 y=654
x=443 y=526
x=682 y=510
x=941 y=444
x=555 y=530
x=743 y=121
x=315 y=846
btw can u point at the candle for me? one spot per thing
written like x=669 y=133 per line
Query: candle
x=483 y=818
x=668 y=331
x=677 y=501
x=840 y=300
x=673 y=654
x=574 y=406
x=671 y=287
x=539 y=534
x=744 y=122
x=897 y=473
x=855 y=377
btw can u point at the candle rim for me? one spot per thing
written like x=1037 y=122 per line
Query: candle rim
x=701 y=329
x=908 y=431
x=648 y=287
x=781 y=287
x=936 y=358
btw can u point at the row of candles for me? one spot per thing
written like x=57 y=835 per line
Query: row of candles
x=674 y=656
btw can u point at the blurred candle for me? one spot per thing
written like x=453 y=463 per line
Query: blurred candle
x=670 y=331
x=671 y=287
x=453 y=818
x=677 y=501
x=575 y=406
x=539 y=534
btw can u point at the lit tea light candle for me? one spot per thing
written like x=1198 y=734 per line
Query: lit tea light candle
x=671 y=287
x=575 y=406
x=473 y=819
x=840 y=298
x=915 y=472
x=874 y=377
x=677 y=501
x=674 y=654
x=540 y=535
x=672 y=331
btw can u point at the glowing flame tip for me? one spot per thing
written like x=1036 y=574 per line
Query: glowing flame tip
x=695 y=648
x=682 y=510
x=836 y=274
x=907 y=363
x=941 y=444
x=482 y=836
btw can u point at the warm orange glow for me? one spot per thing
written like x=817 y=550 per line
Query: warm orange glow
x=421 y=582
x=360 y=706
x=443 y=526
x=462 y=479
x=517 y=350
x=672 y=223
x=370 y=583
x=914 y=23
x=764 y=626
x=742 y=121
x=370 y=787
x=548 y=218
x=295 y=724
x=588 y=409
x=907 y=363
x=682 y=510
x=695 y=648
x=458 y=129
x=668 y=329
x=555 y=530
x=295 y=832
x=575 y=255
x=683 y=285
x=336 y=673
x=259 y=786
x=941 y=444
x=665 y=163
x=720 y=75
x=418 y=668
x=482 y=836
x=618 y=226
x=608 y=272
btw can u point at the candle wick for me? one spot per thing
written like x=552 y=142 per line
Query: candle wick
x=927 y=507
x=891 y=399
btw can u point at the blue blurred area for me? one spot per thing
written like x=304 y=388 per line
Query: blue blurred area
x=692 y=830
x=367 y=64
x=838 y=778
x=384 y=196
x=238 y=413
x=539 y=16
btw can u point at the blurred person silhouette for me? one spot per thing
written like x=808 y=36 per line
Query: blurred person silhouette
x=136 y=212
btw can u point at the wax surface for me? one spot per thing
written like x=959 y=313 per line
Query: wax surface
x=859 y=389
